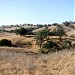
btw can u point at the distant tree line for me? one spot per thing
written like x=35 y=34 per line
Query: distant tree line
x=66 y=23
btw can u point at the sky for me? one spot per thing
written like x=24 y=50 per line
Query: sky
x=36 y=11
x=74 y=10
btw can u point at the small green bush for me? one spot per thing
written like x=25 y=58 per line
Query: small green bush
x=22 y=31
x=5 y=42
x=67 y=44
x=49 y=46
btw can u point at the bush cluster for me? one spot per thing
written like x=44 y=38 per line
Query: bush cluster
x=51 y=46
x=18 y=43
x=67 y=44
x=5 y=42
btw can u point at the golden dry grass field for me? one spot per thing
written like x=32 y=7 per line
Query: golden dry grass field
x=26 y=61
x=16 y=39
x=16 y=62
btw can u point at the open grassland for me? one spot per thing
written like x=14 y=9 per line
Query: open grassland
x=16 y=39
x=13 y=28
x=22 y=62
x=7 y=36
x=13 y=36
x=27 y=61
x=21 y=41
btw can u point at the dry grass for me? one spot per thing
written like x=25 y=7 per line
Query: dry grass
x=66 y=29
x=16 y=62
x=71 y=33
x=13 y=28
x=8 y=36
x=16 y=38
x=24 y=61
x=50 y=27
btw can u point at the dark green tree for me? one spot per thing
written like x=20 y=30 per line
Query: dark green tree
x=66 y=23
x=59 y=31
x=42 y=36
x=22 y=31
x=39 y=26
x=49 y=25
x=55 y=24
x=50 y=46
x=5 y=42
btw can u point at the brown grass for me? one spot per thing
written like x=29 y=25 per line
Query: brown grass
x=16 y=62
x=24 y=61
x=13 y=28
x=66 y=29
x=8 y=36
x=16 y=38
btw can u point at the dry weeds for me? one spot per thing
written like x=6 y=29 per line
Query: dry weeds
x=22 y=62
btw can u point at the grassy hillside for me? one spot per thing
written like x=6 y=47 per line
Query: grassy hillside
x=20 y=62
x=17 y=40
x=69 y=31
x=26 y=60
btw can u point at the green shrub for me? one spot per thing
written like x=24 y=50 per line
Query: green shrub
x=49 y=46
x=41 y=36
x=67 y=44
x=22 y=31
x=5 y=42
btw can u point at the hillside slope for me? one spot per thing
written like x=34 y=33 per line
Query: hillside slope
x=30 y=63
x=69 y=31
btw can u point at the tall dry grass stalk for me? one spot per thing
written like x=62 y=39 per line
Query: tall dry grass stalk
x=15 y=61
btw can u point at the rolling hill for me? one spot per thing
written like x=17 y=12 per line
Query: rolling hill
x=69 y=31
